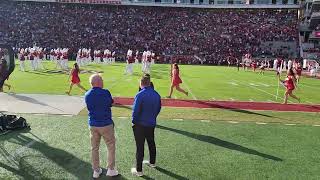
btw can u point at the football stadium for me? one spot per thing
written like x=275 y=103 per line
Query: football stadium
x=159 y=89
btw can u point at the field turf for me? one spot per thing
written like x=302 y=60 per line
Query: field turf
x=191 y=143
x=202 y=82
x=58 y=147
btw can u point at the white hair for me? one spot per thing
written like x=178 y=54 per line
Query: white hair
x=94 y=78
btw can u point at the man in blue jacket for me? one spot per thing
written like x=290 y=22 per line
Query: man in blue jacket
x=146 y=107
x=99 y=103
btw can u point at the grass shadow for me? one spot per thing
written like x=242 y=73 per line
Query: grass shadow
x=220 y=142
x=69 y=162
x=214 y=105
x=171 y=174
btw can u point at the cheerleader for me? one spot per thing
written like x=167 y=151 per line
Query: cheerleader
x=75 y=79
x=290 y=84
x=176 y=80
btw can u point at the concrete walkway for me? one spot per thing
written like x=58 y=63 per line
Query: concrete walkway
x=41 y=104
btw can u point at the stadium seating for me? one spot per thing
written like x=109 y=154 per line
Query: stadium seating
x=211 y=34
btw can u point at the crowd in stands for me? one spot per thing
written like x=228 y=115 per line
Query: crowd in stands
x=210 y=34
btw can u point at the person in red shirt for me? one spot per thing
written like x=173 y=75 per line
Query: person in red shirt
x=298 y=71
x=290 y=84
x=176 y=80
x=75 y=79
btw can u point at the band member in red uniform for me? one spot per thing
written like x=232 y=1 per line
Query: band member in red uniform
x=254 y=65
x=22 y=60
x=75 y=80
x=32 y=61
x=176 y=80
x=298 y=71
x=130 y=61
x=290 y=84
x=279 y=65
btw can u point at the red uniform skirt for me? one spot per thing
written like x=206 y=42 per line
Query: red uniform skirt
x=289 y=84
x=176 y=81
x=75 y=77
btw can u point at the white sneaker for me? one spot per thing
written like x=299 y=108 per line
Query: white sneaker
x=149 y=164
x=97 y=174
x=136 y=173
x=112 y=172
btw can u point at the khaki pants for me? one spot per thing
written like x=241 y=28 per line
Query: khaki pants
x=107 y=133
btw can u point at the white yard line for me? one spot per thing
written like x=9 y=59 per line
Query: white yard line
x=250 y=100
x=290 y=124
x=213 y=98
x=189 y=90
x=316 y=125
x=233 y=83
x=205 y=121
x=261 y=123
x=231 y=99
x=309 y=102
x=266 y=85
x=67 y=115
x=177 y=119
x=253 y=84
x=233 y=122
x=267 y=92
x=122 y=117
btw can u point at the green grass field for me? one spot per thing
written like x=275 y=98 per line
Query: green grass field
x=58 y=147
x=197 y=144
x=202 y=82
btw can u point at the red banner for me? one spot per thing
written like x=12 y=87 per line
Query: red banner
x=91 y=1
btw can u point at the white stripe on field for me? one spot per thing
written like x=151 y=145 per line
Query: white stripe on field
x=231 y=99
x=266 y=85
x=250 y=100
x=233 y=122
x=189 y=90
x=269 y=100
x=205 y=121
x=252 y=84
x=233 y=83
x=316 y=125
x=122 y=117
x=213 y=98
x=261 y=123
x=309 y=102
x=67 y=115
x=177 y=119
x=267 y=92
x=289 y=124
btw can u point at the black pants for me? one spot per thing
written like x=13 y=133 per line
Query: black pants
x=140 y=134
